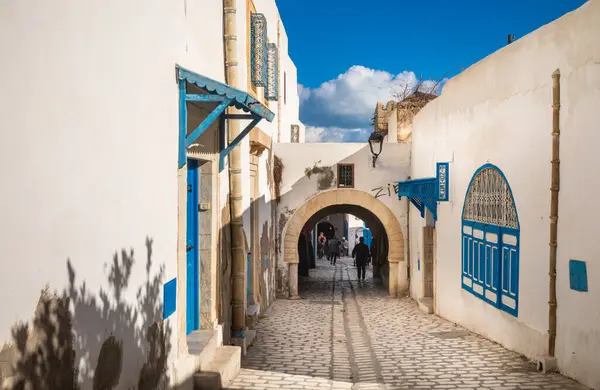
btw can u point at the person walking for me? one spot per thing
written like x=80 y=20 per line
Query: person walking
x=344 y=247
x=334 y=250
x=362 y=255
x=321 y=245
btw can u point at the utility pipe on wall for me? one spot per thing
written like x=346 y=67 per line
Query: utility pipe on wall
x=554 y=210
x=238 y=258
x=408 y=270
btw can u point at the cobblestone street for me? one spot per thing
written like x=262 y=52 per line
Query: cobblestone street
x=346 y=334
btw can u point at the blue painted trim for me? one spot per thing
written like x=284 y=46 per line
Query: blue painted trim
x=190 y=139
x=240 y=99
x=235 y=142
x=224 y=93
x=205 y=98
x=498 y=262
x=442 y=189
x=507 y=184
x=169 y=298
x=182 y=123
x=578 y=275
x=192 y=254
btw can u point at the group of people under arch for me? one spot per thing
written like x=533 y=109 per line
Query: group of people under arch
x=334 y=247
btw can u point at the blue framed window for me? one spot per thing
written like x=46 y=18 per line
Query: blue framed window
x=491 y=240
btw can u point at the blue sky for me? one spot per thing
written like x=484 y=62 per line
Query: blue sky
x=365 y=51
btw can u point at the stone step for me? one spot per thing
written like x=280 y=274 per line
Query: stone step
x=426 y=305
x=203 y=343
x=221 y=371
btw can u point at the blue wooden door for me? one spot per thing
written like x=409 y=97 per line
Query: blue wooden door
x=192 y=247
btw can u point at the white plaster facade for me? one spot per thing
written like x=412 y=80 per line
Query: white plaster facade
x=499 y=111
x=89 y=116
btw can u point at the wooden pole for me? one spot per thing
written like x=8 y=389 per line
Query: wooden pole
x=554 y=210
x=238 y=247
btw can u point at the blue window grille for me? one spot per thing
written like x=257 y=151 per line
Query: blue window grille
x=258 y=50
x=491 y=240
x=272 y=89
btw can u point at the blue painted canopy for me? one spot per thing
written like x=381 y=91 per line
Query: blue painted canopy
x=240 y=99
x=421 y=193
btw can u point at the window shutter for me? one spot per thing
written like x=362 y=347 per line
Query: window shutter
x=258 y=50
x=272 y=90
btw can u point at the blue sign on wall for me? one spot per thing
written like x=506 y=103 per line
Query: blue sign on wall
x=169 y=298
x=442 y=182
x=578 y=275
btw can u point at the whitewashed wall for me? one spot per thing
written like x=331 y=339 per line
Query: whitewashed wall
x=89 y=115
x=89 y=119
x=508 y=123
x=291 y=104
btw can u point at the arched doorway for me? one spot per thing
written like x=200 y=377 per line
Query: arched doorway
x=374 y=212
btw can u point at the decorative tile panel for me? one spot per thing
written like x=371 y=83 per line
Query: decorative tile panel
x=295 y=135
x=272 y=89
x=258 y=50
x=442 y=182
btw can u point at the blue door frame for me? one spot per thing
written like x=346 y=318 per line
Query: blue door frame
x=192 y=247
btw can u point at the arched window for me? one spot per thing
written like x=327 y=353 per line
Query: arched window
x=490 y=240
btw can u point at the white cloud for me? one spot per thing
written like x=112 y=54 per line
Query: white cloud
x=348 y=102
x=303 y=93
x=336 y=134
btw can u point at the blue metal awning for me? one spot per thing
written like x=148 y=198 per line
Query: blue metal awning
x=425 y=193
x=421 y=193
x=225 y=96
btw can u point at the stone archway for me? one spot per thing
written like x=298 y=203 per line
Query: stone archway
x=398 y=275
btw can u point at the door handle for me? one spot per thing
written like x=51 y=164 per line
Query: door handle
x=189 y=247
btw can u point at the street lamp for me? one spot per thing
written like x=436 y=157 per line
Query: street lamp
x=376 y=138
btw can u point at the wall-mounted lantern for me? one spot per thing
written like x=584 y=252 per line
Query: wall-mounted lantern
x=376 y=145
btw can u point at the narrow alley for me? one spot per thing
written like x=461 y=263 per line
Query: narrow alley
x=346 y=334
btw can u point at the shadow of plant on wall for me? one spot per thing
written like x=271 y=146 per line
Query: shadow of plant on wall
x=46 y=358
x=89 y=347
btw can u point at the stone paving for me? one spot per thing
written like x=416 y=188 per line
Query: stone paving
x=348 y=334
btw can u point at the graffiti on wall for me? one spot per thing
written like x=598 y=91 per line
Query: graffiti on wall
x=385 y=190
